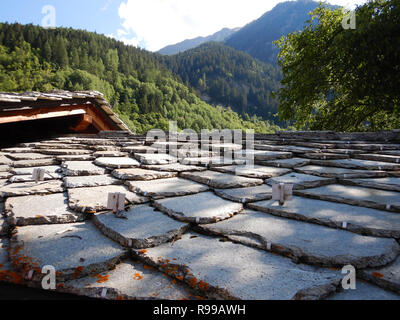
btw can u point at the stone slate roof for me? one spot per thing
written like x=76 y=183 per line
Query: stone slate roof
x=27 y=100
x=208 y=230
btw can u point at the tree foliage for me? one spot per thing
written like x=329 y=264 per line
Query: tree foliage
x=145 y=94
x=343 y=79
x=229 y=77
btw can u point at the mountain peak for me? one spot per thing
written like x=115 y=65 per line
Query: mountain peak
x=257 y=37
x=192 y=43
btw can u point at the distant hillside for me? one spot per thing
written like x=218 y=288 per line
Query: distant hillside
x=256 y=38
x=225 y=76
x=143 y=91
x=192 y=43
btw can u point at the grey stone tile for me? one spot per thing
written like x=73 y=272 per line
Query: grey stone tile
x=69 y=152
x=211 y=161
x=143 y=228
x=36 y=210
x=74 y=250
x=35 y=163
x=380 y=157
x=256 y=171
x=174 y=167
x=110 y=154
x=359 y=220
x=204 y=207
x=29 y=170
x=83 y=157
x=221 y=180
x=4 y=160
x=133 y=279
x=246 y=195
x=358 y=196
x=171 y=187
x=142 y=174
x=117 y=162
x=31 y=188
x=364 y=292
x=95 y=199
x=301 y=181
x=387 y=277
x=155 y=159
x=391 y=184
x=358 y=164
x=260 y=155
x=287 y=163
x=81 y=168
x=326 y=156
x=306 y=242
x=90 y=181
x=333 y=172
x=210 y=266
x=28 y=156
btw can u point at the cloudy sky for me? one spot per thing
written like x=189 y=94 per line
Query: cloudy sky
x=150 y=24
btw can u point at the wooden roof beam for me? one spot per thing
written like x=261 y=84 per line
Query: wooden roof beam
x=42 y=113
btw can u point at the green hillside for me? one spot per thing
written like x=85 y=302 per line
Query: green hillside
x=143 y=91
x=228 y=77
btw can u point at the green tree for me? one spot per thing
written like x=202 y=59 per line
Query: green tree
x=60 y=54
x=144 y=93
x=343 y=79
x=47 y=51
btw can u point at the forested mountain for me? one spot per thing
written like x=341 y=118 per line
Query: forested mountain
x=144 y=92
x=193 y=43
x=257 y=37
x=226 y=76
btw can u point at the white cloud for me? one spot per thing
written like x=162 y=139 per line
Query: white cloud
x=158 y=23
x=348 y=4
x=162 y=22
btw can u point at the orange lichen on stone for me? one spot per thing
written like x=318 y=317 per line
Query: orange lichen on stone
x=38 y=216
x=11 y=276
x=142 y=251
x=102 y=279
x=203 y=285
x=173 y=281
x=77 y=271
x=179 y=278
x=22 y=262
x=334 y=269
x=137 y=276
x=193 y=282
x=378 y=275
x=146 y=267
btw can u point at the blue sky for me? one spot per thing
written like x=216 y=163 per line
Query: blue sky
x=92 y=15
x=150 y=24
